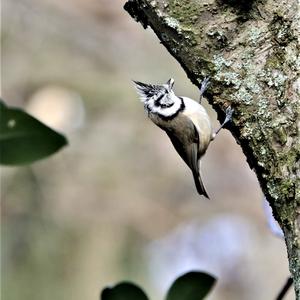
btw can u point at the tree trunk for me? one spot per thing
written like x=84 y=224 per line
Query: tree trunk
x=250 y=51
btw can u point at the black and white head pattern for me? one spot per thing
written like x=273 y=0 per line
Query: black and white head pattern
x=159 y=99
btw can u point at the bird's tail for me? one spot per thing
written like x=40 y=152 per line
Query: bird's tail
x=199 y=184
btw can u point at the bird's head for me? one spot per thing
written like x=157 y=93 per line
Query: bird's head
x=156 y=95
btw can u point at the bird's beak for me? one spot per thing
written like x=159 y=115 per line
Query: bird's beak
x=170 y=83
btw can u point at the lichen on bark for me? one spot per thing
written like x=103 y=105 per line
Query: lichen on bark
x=251 y=52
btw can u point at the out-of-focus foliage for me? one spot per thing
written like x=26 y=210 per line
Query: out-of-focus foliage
x=123 y=291
x=24 y=139
x=118 y=203
x=190 y=286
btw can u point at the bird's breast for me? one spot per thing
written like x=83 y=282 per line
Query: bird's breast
x=198 y=115
x=183 y=125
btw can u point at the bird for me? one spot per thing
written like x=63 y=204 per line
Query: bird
x=185 y=121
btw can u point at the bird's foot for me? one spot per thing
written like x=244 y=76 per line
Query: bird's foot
x=229 y=112
x=204 y=85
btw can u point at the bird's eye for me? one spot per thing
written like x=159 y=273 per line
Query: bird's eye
x=157 y=101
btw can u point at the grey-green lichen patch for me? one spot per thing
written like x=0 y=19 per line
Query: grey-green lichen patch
x=229 y=78
x=263 y=109
x=223 y=71
x=246 y=85
x=173 y=23
x=183 y=31
x=220 y=62
x=252 y=84
x=254 y=35
x=276 y=78
x=242 y=95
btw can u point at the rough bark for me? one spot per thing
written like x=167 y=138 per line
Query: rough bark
x=250 y=51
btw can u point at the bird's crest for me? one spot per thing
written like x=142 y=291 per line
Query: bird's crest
x=147 y=91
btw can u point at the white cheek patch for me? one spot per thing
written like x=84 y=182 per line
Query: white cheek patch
x=164 y=111
x=168 y=111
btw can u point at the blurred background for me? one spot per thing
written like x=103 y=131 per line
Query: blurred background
x=118 y=203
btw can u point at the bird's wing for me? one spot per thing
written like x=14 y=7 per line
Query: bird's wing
x=186 y=143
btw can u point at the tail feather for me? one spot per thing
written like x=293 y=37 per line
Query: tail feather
x=199 y=185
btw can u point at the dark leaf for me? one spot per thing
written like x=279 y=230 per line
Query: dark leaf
x=191 y=286
x=123 y=291
x=24 y=139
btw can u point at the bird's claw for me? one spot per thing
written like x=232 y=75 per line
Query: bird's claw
x=204 y=85
x=229 y=112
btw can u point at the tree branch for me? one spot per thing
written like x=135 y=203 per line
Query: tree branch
x=250 y=51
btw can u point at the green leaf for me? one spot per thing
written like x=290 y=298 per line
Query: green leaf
x=123 y=291
x=24 y=139
x=191 y=286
